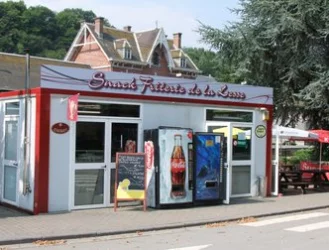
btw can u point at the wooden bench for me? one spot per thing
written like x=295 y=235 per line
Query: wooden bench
x=293 y=178
x=302 y=184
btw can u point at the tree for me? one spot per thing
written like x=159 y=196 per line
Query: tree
x=211 y=63
x=282 y=44
x=41 y=30
x=69 y=21
x=10 y=25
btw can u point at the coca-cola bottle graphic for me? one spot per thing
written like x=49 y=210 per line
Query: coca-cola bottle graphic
x=178 y=169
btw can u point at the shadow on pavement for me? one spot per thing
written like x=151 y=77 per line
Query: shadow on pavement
x=233 y=201
x=249 y=200
x=9 y=212
x=297 y=191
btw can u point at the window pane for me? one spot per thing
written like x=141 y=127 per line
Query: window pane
x=10 y=183
x=103 y=109
x=89 y=187
x=155 y=58
x=241 y=143
x=12 y=108
x=11 y=140
x=123 y=138
x=228 y=115
x=240 y=180
x=90 y=142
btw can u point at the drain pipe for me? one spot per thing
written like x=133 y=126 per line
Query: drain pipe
x=26 y=181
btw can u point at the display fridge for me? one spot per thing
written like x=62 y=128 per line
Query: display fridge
x=169 y=173
x=209 y=178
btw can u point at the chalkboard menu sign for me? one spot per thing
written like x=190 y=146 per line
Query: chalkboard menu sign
x=130 y=177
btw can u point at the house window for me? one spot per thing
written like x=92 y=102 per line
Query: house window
x=108 y=109
x=229 y=115
x=12 y=108
x=155 y=59
x=127 y=53
x=183 y=62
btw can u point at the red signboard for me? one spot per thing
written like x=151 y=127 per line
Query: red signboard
x=308 y=165
x=72 y=108
x=60 y=128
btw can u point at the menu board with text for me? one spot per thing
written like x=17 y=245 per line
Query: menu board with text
x=130 y=177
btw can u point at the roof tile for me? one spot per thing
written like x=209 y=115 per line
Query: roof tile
x=13 y=68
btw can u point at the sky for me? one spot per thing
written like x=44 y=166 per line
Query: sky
x=172 y=15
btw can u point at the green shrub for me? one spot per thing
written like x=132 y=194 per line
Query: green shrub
x=301 y=155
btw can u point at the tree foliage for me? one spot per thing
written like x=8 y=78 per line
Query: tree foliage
x=282 y=44
x=39 y=29
x=211 y=64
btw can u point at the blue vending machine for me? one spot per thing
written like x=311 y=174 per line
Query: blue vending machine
x=209 y=174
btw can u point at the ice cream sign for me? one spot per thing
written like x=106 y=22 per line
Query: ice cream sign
x=149 y=84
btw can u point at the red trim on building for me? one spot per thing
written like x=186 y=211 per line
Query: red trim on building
x=42 y=138
x=14 y=93
x=269 y=153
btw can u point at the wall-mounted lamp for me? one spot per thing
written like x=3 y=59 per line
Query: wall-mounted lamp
x=265 y=114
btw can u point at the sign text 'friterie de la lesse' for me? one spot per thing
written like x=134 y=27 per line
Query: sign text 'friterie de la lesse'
x=118 y=83
x=149 y=84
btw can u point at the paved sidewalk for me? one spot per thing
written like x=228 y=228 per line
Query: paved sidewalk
x=20 y=228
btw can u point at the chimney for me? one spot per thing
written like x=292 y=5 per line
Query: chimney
x=127 y=28
x=99 y=24
x=178 y=40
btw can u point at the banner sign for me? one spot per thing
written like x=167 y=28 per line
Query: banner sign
x=58 y=77
x=72 y=108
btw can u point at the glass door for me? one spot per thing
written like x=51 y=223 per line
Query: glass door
x=237 y=137
x=241 y=159
x=124 y=136
x=10 y=167
x=97 y=141
x=90 y=168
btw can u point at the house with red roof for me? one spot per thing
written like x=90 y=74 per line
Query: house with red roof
x=124 y=50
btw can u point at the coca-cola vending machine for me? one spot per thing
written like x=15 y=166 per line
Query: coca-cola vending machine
x=169 y=173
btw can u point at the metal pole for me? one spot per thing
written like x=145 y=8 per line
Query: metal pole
x=277 y=161
x=320 y=156
x=26 y=181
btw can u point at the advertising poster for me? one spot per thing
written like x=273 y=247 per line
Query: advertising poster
x=150 y=173
x=207 y=166
x=173 y=181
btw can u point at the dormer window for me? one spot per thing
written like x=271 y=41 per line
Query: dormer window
x=124 y=48
x=127 y=53
x=183 y=63
x=155 y=59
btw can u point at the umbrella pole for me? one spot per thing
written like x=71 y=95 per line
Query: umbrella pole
x=320 y=154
